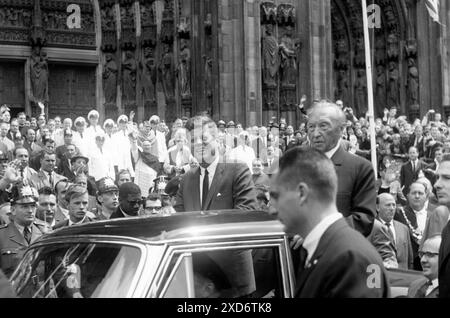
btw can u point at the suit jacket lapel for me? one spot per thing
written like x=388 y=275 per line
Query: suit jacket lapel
x=195 y=186
x=321 y=248
x=16 y=236
x=35 y=233
x=214 y=186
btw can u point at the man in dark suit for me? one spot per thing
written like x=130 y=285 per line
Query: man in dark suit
x=417 y=140
x=46 y=176
x=214 y=185
x=335 y=261
x=414 y=216
x=398 y=232
x=65 y=164
x=78 y=200
x=442 y=187
x=428 y=287
x=356 y=179
x=409 y=172
x=130 y=201
x=22 y=231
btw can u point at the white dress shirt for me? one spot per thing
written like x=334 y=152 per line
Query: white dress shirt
x=313 y=238
x=421 y=217
x=331 y=153
x=211 y=172
x=433 y=286
x=79 y=222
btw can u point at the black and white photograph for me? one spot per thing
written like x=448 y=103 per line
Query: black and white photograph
x=248 y=151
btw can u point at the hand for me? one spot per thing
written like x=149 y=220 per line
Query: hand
x=296 y=242
x=386 y=111
x=432 y=111
x=304 y=99
x=132 y=114
x=41 y=106
x=11 y=174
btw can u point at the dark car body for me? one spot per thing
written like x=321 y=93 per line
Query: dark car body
x=231 y=254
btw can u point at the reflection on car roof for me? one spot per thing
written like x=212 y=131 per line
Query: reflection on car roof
x=179 y=226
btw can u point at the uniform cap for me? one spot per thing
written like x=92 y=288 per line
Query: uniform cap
x=93 y=113
x=105 y=185
x=22 y=194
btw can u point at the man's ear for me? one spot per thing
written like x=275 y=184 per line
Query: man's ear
x=303 y=191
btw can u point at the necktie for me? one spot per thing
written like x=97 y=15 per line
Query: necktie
x=205 y=189
x=414 y=166
x=50 y=179
x=391 y=234
x=422 y=292
x=27 y=234
x=81 y=134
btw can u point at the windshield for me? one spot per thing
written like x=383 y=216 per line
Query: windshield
x=82 y=270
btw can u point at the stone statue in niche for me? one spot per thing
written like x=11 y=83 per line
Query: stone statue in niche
x=149 y=76
x=361 y=91
x=184 y=72
x=39 y=75
x=380 y=51
x=208 y=76
x=392 y=47
x=413 y=82
x=129 y=77
x=380 y=89
x=270 y=57
x=393 y=88
x=166 y=69
x=342 y=86
x=108 y=18
x=110 y=79
x=288 y=55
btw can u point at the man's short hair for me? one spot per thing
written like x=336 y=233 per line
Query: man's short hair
x=338 y=115
x=75 y=191
x=17 y=149
x=311 y=167
x=46 y=191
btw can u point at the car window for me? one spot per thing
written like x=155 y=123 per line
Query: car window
x=249 y=273
x=77 y=271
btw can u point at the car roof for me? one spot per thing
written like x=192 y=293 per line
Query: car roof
x=179 y=226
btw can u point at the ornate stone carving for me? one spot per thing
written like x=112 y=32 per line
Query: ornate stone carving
x=110 y=71
x=270 y=57
x=286 y=15
x=392 y=47
x=148 y=24
x=128 y=29
x=167 y=72
x=268 y=13
x=413 y=83
x=109 y=37
x=184 y=71
x=288 y=53
x=148 y=76
x=39 y=75
x=361 y=92
x=129 y=68
x=342 y=86
x=380 y=87
x=394 y=86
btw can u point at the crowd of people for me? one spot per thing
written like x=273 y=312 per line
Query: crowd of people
x=57 y=172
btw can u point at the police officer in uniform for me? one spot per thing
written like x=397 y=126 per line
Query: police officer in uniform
x=108 y=196
x=22 y=231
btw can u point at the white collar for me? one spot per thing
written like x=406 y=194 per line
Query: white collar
x=313 y=238
x=75 y=223
x=212 y=167
x=423 y=211
x=331 y=153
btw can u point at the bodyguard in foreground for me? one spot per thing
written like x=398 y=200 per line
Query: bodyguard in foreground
x=335 y=260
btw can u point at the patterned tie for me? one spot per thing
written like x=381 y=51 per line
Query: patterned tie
x=422 y=292
x=205 y=189
x=27 y=234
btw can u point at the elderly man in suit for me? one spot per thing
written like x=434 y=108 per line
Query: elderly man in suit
x=428 y=287
x=22 y=231
x=398 y=232
x=213 y=185
x=411 y=170
x=414 y=216
x=356 y=179
x=46 y=176
x=442 y=187
x=335 y=261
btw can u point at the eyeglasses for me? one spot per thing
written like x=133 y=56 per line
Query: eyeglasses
x=428 y=254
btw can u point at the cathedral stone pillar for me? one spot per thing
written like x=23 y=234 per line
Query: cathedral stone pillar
x=316 y=70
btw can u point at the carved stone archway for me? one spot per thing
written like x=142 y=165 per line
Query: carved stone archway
x=394 y=57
